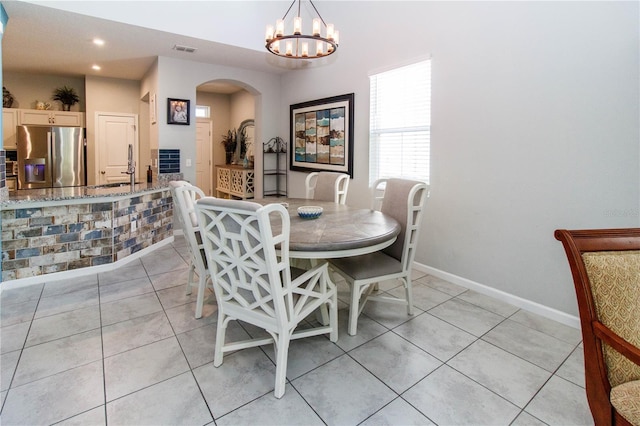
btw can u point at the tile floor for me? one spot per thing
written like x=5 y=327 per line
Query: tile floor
x=123 y=348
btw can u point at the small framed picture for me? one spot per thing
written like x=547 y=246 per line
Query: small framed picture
x=178 y=111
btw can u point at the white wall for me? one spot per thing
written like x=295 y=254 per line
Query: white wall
x=179 y=79
x=535 y=126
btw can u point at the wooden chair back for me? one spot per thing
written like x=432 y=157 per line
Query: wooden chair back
x=605 y=265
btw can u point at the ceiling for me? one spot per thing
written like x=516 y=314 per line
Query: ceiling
x=45 y=40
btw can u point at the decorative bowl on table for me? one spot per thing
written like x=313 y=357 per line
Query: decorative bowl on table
x=309 y=212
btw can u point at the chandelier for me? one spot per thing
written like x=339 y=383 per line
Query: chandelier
x=299 y=45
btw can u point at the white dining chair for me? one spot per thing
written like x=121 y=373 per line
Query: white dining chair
x=253 y=280
x=185 y=196
x=404 y=201
x=327 y=186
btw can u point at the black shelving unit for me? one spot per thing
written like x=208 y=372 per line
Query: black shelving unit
x=274 y=182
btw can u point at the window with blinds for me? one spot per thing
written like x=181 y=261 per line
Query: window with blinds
x=400 y=127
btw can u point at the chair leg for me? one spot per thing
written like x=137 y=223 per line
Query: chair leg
x=333 y=319
x=192 y=269
x=409 y=295
x=200 y=299
x=221 y=330
x=282 y=353
x=322 y=315
x=354 y=309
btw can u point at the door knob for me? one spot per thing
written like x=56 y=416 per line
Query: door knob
x=102 y=172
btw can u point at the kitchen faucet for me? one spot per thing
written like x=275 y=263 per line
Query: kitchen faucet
x=131 y=167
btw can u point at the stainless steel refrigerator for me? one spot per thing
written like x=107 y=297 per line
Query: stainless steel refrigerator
x=51 y=157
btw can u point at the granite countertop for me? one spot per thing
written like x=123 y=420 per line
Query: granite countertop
x=78 y=192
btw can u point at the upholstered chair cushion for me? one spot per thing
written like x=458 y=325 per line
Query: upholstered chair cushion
x=615 y=283
x=368 y=266
x=626 y=399
x=395 y=205
x=325 y=186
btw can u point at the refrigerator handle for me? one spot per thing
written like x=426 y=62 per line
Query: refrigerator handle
x=51 y=149
x=51 y=136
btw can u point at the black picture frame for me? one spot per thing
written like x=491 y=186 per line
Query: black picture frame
x=322 y=135
x=178 y=111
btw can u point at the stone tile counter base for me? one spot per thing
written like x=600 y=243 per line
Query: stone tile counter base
x=153 y=218
x=44 y=240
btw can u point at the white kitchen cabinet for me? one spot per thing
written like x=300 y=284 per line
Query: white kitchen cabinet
x=9 y=123
x=11 y=183
x=50 y=118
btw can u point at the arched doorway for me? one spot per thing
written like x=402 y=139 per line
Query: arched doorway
x=230 y=104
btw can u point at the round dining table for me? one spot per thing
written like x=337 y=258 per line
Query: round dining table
x=340 y=231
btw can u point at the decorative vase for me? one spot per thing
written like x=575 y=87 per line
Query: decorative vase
x=7 y=98
x=229 y=157
x=66 y=107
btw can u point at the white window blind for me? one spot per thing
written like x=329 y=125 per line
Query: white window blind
x=400 y=127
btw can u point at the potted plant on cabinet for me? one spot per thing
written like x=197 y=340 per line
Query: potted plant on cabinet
x=67 y=96
x=230 y=141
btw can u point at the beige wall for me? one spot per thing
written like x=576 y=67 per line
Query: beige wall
x=227 y=112
x=114 y=96
x=220 y=106
x=242 y=108
x=148 y=90
x=29 y=88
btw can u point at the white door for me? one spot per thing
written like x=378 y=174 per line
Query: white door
x=203 y=155
x=114 y=133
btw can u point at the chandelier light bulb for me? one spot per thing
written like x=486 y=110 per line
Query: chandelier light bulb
x=316 y=27
x=330 y=31
x=269 y=33
x=297 y=25
x=279 y=28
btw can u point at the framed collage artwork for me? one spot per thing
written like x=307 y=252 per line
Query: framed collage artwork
x=322 y=135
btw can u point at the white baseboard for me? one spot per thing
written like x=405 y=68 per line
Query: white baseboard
x=527 y=305
x=56 y=276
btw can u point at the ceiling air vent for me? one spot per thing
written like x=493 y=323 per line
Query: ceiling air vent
x=184 y=48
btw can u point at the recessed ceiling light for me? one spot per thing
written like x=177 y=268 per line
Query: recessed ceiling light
x=96 y=67
x=98 y=41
